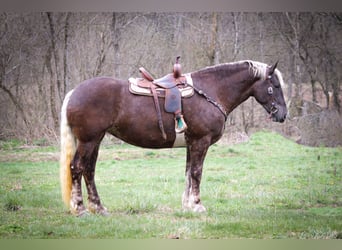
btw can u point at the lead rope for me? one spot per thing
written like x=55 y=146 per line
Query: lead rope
x=212 y=101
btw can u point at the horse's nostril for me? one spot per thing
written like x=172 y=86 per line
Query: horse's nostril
x=282 y=119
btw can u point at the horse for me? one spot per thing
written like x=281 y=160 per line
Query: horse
x=105 y=105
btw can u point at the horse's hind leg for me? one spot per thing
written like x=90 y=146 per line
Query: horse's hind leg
x=77 y=167
x=84 y=165
x=94 y=203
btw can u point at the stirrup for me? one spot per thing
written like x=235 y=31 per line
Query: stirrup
x=180 y=125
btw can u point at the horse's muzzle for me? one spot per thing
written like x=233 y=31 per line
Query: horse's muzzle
x=280 y=119
x=278 y=114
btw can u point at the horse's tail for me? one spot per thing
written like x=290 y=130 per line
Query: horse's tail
x=68 y=149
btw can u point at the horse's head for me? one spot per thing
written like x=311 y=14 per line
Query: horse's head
x=267 y=91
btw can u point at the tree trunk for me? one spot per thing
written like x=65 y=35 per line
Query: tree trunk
x=101 y=57
x=116 y=33
x=53 y=108
x=236 y=35
x=336 y=98
x=177 y=33
x=54 y=52
x=313 y=90
x=65 y=54
x=214 y=44
x=295 y=27
x=16 y=103
x=261 y=36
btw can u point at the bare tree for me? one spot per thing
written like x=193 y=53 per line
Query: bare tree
x=66 y=52
x=120 y=21
x=236 y=23
x=10 y=45
x=308 y=36
x=213 y=51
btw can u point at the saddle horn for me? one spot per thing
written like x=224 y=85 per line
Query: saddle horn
x=177 y=68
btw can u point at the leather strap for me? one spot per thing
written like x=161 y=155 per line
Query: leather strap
x=145 y=74
x=156 y=104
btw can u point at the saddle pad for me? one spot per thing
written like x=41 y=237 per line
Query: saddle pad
x=187 y=91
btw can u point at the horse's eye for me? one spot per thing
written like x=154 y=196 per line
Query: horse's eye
x=270 y=90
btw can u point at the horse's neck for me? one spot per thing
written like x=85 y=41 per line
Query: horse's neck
x=235 y=88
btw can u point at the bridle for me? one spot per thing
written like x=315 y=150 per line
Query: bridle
x=274 y=108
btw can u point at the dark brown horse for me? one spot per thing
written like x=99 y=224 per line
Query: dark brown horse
x=105 y=105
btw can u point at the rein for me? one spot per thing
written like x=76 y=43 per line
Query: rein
x=212 y=101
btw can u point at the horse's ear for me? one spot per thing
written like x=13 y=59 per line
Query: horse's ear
x=272 y=68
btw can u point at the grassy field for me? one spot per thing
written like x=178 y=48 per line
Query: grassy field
x=268 y=187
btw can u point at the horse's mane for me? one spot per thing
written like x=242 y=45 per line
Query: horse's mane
x=260 y=70
x=257 y=69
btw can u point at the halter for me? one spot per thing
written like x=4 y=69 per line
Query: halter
x=274 y=108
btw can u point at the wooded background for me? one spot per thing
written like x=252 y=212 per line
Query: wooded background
x=44 y=55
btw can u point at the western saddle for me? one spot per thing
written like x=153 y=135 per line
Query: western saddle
x=170 y=84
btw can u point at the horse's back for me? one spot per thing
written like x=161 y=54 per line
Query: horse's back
x=95 y=89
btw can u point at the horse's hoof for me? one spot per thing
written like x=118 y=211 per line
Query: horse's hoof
x=78 y=210
x=103 y=212
x=199 y=208
x=186 y=206
x=82 y=213
x=98 y=209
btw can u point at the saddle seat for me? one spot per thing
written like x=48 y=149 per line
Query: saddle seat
x=172 y=87
x=140 y=86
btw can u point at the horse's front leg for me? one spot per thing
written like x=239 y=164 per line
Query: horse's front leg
x=195 y=157
x=186 y=203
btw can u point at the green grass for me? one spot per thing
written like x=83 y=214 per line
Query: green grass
x=268 y=187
